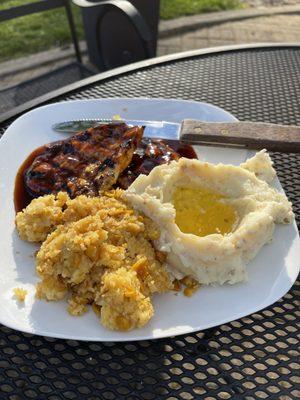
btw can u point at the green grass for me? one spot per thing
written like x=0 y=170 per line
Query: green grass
x=35 y=32
x=176 y=8
x=38 y=32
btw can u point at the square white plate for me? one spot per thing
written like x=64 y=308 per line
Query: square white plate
x=271 y=274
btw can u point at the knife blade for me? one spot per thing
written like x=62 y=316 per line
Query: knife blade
x=153 y=129
x=254 y=135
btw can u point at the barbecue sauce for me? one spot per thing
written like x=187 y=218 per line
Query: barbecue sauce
x=22 y=198
x=151 y=153
x=183 y=149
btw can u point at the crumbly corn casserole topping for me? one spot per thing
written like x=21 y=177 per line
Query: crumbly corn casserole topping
x=98 y=251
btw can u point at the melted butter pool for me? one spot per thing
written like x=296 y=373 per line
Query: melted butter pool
x=201 y=211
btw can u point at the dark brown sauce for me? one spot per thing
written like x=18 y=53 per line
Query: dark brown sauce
x=151 y=153
x=22 y=198
x=185 y=150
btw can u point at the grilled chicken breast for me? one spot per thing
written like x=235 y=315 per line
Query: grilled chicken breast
x=86 y=163
x=149 y=154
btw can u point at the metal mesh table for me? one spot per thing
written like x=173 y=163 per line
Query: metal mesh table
x=254 y=357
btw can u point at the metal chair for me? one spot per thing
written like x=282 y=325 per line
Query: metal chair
x=119 y=32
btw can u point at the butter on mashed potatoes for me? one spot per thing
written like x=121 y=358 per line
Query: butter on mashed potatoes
x=213 y=219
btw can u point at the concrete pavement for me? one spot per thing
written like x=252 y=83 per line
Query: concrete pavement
x=275 y=28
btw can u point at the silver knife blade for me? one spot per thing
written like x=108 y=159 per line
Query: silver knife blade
x=255 y=135
x=153 y=129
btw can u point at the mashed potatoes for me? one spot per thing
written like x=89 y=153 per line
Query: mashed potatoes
x=236 y=206
x=98 y=251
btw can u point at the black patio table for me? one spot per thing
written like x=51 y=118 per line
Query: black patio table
x=256 y=357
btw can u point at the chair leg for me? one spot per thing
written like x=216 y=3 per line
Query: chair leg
x=73 y=31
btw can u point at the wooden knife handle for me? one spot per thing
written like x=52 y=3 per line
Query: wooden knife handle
x=255 y=135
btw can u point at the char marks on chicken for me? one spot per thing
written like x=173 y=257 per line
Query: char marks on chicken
x=86 y=163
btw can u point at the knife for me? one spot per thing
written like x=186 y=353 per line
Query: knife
x=254 y=135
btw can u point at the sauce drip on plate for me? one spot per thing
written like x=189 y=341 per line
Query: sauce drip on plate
x=21 y=197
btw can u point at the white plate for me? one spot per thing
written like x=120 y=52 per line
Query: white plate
x=271 y=274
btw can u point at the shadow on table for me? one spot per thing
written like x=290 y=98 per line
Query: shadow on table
x=17 y=95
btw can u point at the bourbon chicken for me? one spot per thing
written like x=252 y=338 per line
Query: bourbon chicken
x=149 y=154
x=101 y=158
x=86 y=163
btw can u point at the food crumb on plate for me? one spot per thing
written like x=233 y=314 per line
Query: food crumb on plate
x=191 y=285
x=20 y=294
